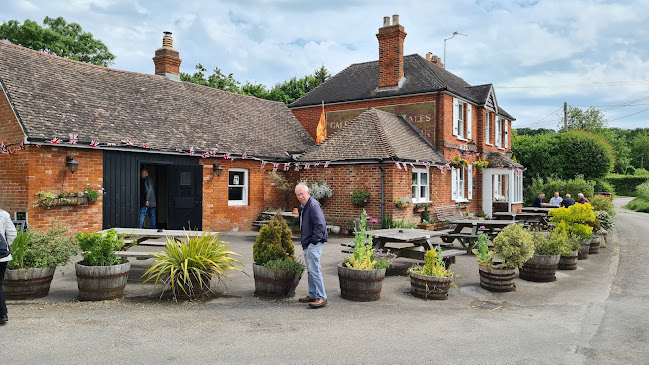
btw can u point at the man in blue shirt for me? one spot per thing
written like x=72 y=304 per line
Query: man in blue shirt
x=313 y=235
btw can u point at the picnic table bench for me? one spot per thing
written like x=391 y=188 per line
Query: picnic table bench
x=529 y=218
x=468 y=240
x=446 y=213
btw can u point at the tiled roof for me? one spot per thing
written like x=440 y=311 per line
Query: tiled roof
x=497 y=159
x=55 y=96
x=359 y=82
x=375 y=135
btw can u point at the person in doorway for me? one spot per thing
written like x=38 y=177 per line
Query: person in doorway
x=313 y=236
x=556 y=200
x=147 y=199
x=8 y=232
x=568 y=201
x=581 y=199
x=538 y=202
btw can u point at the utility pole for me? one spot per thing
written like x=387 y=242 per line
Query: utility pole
x=565 y=116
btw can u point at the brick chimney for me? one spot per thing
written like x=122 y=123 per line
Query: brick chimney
x=390 y=53
x=434 y=59
x=166 y=60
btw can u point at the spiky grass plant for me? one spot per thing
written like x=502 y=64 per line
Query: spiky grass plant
x=186 y=267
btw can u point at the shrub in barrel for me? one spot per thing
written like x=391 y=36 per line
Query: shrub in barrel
x=579 y=220
x=35 y=257
x=514 y=246
x=542 y=267
x=101 y=275
x=433 y=280
x=276 y=271
x=361 y=274
x=569 y=250
x=186 y=268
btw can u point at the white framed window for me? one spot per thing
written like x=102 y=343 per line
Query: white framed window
x=458 y=178
x=462 y=119
x=499 y=137
x=518 y=188
x=505 y=133
x=420 y=185
x=487 y=129
x=469 y=173
x=237 y=187
x=501 y=188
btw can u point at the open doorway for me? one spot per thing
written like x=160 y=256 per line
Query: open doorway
x=160 y=176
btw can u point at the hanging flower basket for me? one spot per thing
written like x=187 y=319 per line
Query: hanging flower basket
x=55 y=202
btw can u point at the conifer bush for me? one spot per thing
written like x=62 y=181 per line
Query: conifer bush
x=274 y=242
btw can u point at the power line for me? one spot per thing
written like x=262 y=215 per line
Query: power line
x=642 y=82
x=643 y=110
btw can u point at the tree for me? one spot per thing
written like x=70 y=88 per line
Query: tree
x=59 y=38
x=216 y=80
x=640 y=151
x=534 y=132
x=590 y=119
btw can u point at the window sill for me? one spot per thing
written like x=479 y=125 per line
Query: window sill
x=237 y=203
x=489 y=144
x=462 y=200
x=462 y=139
x=421 y=202
x=501 y=148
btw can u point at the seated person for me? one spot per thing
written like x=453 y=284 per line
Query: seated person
x=538 y=202
x=568 y=201
x=581 y=199
x=556 y=200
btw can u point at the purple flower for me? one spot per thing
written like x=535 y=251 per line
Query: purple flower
x=368 y=218
x=482 y=228
x=375 y=221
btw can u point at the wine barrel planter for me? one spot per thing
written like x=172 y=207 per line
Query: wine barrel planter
x=540 y=268
x=274 y=283
x=497 y=280
x=360 y=285
x=101 y=282
x=594 y=245
x=569 y=262
x=28 y=283
x=584 y=249
x=430 y=287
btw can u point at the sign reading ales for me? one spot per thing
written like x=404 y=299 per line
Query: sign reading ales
x=422 y=115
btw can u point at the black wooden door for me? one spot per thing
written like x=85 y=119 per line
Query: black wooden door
x=186 y=197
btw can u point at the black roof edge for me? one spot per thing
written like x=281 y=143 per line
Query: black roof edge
x=372 y=98
x=374 y=160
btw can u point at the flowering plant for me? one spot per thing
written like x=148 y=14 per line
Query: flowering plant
x=402 y=202
x=434 y=265
x=484 y=256
x=364 y=257
x=457 y=160
x=480 y=164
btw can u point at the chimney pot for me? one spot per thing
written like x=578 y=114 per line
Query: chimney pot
x=395 y=19
x=386 y=21
x=391 y=62
x=167 y=60
x=429 y=56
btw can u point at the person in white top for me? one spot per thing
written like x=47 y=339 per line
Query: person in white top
x=8 y=232
x=556 y=199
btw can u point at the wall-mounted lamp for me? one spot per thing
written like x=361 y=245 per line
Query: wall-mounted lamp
x=217 y=169
x=71 y=164
x=471 y=145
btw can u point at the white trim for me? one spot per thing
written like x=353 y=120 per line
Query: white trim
x=469 y=121
x=419 y=171
x=245 y=187
x=487 y=127
x=456 y=116
x=470 y=182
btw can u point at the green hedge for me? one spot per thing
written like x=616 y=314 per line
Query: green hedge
x=549 y=186
x=626 y=184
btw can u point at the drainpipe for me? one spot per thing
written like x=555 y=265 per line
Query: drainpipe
x=382 y=193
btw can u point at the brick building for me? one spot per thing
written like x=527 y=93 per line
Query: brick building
x=454 y=117
x=122 y=122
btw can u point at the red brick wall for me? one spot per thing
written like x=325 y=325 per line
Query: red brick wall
x=390 y=55
x=47 y=171
x=13 y=179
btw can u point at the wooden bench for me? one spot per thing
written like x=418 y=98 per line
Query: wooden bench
x=446 y=213
x=135 y=254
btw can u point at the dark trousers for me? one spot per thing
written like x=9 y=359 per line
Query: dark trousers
x=3 y=303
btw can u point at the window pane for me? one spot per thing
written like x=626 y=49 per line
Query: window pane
x=236 y=178
x=185 y=178
x=423 y=179
x=235 y=193
x=414 y=178
x=414 y=192
x=424 y=192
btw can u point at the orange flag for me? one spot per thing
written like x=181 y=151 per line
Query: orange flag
x=321 y=132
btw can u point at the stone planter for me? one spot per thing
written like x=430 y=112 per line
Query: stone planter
x=584 y=249
x=28 y=283
x=540 y=268
x=360 y=285
x=335 y=229
x=569 y=262
x=497 y=280
x=594 y=245
x=430 y=287
x=101 y=282
x=274 y=283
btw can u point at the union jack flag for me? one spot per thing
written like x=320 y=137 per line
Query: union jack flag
x=191 y=151
x=307 y=166
x=244 y=156
x=144 y=145
x=111 y=144
x=2 y=146
x=38 y=146
x=275 y=166
x=398 y=165
x=127 y=142
x=74 y=138
x=427 y=164
x=297 y=167
x=287 y=166
x=227 y=156
x=212 y=152
x=54 y=141
x=205 y=155
x=22 y=145
x=94 y=143
x=8 y=151
x=263 y=164
x=316 y=164
x=327 y=164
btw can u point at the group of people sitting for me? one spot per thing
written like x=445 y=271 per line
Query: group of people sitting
x=557 y=201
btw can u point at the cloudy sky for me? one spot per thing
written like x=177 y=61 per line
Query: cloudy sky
x=538 y=54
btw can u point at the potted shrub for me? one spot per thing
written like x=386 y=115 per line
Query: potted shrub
x=570 y=249
x=402 y=202
x=361 y=274
x=606 y=223
x=418 y=208
x=577 y=218
x=433 y=280
x=319 y=191
x=426 y=221
x=514 y=246
x=360 y=197
x=101 y=275
x=35 y=258
x=275 y=269
x=542 y=267
x=188 y=267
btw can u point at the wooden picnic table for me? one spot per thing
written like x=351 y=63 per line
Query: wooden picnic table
x=142 y=236
x=537 y=209
x=489 y=226
x=532 y=218
x=283 y=214
x=411 y=242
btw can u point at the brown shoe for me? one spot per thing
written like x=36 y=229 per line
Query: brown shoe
x=306 y=299
x=320 y=302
